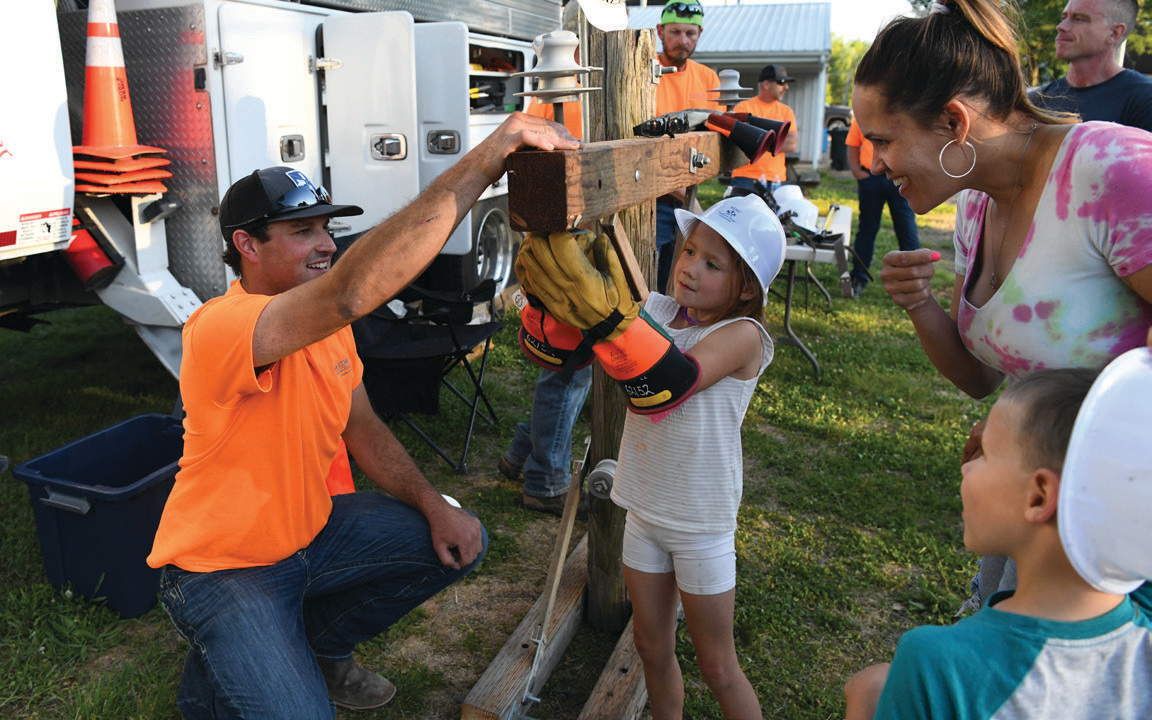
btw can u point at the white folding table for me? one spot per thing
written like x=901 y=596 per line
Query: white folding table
x=830 y=244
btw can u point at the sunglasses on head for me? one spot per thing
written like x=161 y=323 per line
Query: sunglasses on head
x=302 y=197
x=684 y=10
x=299 y=197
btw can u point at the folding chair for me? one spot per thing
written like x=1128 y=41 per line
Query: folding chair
x=410 y=351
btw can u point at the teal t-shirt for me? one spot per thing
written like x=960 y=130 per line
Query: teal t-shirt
x=1003 y=666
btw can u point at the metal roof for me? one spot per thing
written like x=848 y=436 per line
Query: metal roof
x=784 y=28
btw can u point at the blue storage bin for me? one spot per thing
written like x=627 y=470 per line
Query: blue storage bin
x=97 y=503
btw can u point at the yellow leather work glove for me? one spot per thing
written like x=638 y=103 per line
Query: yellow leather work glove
x=580 y=285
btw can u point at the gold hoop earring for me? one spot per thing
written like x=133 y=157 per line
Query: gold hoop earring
x=966 y=172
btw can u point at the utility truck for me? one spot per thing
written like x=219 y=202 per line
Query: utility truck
x=371 y=98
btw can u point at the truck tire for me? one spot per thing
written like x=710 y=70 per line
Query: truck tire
x=494 y=248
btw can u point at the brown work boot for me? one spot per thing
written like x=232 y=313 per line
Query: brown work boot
x=555 y=505
x=355 y=688
x=508 y=470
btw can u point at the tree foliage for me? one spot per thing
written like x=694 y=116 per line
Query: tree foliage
x=841 y=68
x=1038 y=20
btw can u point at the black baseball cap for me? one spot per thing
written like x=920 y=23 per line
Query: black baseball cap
x=776 y=73
x=273 y=194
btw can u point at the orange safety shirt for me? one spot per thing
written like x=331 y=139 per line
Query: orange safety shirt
x=688 y=89
x=251 y=490
x=856 y=139
x=571 y=115
x=771 y=168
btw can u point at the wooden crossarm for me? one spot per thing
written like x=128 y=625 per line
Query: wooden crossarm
x=558 y=190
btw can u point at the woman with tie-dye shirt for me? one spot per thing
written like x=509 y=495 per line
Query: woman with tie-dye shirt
x=1054 y=218
x=1064 y=302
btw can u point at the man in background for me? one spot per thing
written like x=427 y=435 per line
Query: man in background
x=768 y=103
x=1097 y=87
x=680 y=28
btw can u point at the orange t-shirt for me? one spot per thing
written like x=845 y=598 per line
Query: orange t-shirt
x=856 y=139
x=688 y=89
x=771 y=168
x=571 y=115
x=251 y=490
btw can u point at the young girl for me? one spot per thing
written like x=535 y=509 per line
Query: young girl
x=681 y=479
x=680 y=470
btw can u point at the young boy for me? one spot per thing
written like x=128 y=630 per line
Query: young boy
x=1058 y=646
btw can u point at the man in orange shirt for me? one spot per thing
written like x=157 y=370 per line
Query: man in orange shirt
x=272 y=581
x=769 y=169
x=874 y=191
x=680 y=28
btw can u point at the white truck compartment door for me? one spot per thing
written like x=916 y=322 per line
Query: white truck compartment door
x=442 y=109
x=36 y=182
x=271 y=97
x=371 y=112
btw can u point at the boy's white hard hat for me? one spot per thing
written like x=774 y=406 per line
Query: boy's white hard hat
x=1104 y=513
x=750 y=227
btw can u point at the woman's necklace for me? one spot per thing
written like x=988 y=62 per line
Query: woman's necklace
x=685 y=318
x=1011 y=204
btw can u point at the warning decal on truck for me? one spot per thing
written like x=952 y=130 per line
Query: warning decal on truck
x=42 y=228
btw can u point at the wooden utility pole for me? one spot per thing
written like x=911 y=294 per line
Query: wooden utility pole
x=628 y=98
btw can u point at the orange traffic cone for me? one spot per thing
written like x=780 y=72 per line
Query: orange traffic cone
x=125 y=165
x=109 y=130
x=145 y=187
x=103 y=178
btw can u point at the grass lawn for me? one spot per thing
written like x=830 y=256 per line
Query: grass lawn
x=849 y=532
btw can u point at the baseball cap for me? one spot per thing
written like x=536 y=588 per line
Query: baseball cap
x=276 y=193
x=606 y=15
x=776 y=73
x=676 y=11
x=1104 y=513
x=750 y=227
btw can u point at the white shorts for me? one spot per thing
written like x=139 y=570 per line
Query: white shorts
x=704 y=563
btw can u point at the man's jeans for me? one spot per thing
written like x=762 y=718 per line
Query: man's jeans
x=256 y=633
x=543 y=449
x=665 y=242
x=874 y=191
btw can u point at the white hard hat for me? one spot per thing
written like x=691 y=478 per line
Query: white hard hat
x=606 y=15
x=750 y=228
x=804 y=212
x=1104 y=513
x=785 y=193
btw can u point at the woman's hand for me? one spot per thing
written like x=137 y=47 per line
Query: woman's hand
x=907 y=276
x=972 y=448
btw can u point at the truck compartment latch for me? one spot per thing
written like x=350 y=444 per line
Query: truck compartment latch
x=291 y=148
x=220 y=59
x=444 y=142
x=391 y=146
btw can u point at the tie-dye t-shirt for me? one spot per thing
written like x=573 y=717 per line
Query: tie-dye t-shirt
x=1063 y=304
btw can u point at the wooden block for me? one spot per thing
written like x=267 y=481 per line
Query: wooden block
x=500 y=689
x=620 y=693
x=628 y=261
x=558 y=190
